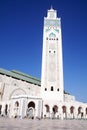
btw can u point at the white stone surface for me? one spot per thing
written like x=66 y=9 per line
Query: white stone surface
x=19 y=98
x=16 y=124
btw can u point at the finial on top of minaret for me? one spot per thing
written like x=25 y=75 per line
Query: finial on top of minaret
x=52 y=14
x=51 y=8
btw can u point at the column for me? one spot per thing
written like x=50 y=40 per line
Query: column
x=60 y=111
x=22 y=108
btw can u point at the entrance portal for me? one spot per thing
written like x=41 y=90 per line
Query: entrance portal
x=31 y=110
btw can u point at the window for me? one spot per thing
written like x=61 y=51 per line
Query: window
x=58 y=89
x=45 y=89
x=47 y=38
x=51 y=88
x=49 y=51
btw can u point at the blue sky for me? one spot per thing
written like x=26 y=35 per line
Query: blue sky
x=21 y=32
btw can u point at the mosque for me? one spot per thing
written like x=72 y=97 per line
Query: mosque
x=24 y=96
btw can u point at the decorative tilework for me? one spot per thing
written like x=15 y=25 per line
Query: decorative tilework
x=51 y=23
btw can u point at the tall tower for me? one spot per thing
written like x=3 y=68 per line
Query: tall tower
x=52 y=64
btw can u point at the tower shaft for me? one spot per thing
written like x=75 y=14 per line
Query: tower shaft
x=52 y=63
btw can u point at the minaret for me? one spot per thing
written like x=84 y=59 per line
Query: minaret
x=52 y=62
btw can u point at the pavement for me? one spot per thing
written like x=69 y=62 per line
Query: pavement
x=43 y=124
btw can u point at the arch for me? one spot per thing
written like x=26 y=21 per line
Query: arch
x=52 y=35
x=17 y=91
x=30 y=113
x=64 y=112
x=31 y=104
x=47 y=111
x=55 y=109
x=0 y=109
x=64 y=109
x=47 y=108
x=72 y=109
x=79 y=110
x=72 y=112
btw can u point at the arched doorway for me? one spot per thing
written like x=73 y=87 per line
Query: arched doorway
x=64 y=112
x=16 y=109
x=31 y=110
x=55 y=111
x=80 y=113
x=72 y=112
x=79 y=110
x=47 y=108
x=0 y=109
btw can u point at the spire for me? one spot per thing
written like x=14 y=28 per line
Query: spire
x=52 y=13
x=51 y=8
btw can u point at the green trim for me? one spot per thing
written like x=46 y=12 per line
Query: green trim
x=21 y=76
x=56 y=30
x=52 y=35
x=49 y=22
x=47 y=30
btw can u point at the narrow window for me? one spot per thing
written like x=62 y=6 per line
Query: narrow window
x=47 y=38
x=51 y=88
x=58 y=89
x=45 y=89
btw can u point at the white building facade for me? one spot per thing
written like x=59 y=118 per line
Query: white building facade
x=24 y=96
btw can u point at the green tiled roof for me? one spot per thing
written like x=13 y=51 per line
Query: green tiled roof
x=21 y=76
